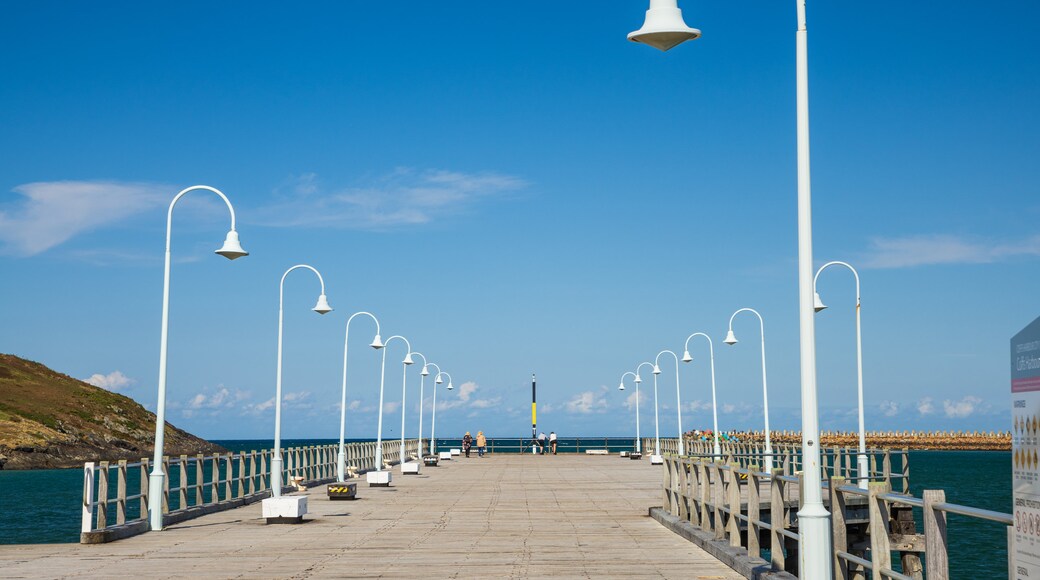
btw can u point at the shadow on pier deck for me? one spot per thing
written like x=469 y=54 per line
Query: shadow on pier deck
x=506 y=516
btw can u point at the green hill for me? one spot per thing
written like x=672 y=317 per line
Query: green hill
x=50 y=420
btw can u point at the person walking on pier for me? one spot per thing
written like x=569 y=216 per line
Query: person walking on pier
x=552 y=441
x=481 y=443
x=467 y=442
x=541 y=443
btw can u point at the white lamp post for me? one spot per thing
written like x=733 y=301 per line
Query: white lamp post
x=731 y=340
x=864 y=464
x=656 y=457
x=425 y=372
x=433 y=422
x=230 y=250
x=377 y=343
x=665 y=30
x=622 y=388
x=379 y=435
x=678 y=394
x=404 y=391
x=714 y=407
x=322 y=307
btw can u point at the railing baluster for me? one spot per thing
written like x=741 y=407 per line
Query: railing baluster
x=102 y=496
x=200 y=477
x=182 y=486
x=121 y=493
x=936 y=557
x=880 y=546
x=777 y=519
x=754 y=512
x=839 y=530
x=143 y=503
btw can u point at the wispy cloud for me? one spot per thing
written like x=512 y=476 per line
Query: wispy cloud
x=113 y=381
x=466 y=390
x=889 y=408
x=404 y=197
x=963 y=408
x=630 y=400
x=588 y=402
x=51 y=213
x=922 y=250
x=926 y=406
x=291 y=400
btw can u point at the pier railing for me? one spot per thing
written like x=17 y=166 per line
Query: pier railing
x=751 y=509
x=891 y=465
x=115 y=494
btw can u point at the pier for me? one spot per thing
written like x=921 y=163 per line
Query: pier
x=501 y=516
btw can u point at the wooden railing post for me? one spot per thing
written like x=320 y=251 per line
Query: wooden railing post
x=880 y=545
x=754 y=512
x=143 y=487
x=935 y=551
x=102 y=496
x=839 y=529
x=264 y=475
x=906 y=470
x=214 y=478
x=200 y=477
x=121 y=493
x=733 y=502
x=777 y=519
x=228 y=473
x=166 y=485
x=705 y=494
x=241 y=474
x=182 y=486
x=252 y=472
x=886 y=468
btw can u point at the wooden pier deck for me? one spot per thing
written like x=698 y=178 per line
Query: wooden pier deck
x=507 y=516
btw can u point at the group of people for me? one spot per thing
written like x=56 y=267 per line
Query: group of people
x=551 y=440
x=467 y=443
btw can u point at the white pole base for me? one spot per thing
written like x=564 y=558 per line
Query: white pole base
x=656 y=460
x=288 y=509
x=411 y=467
x=445 y=455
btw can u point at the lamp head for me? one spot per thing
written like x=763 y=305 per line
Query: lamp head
x=232 y=249
x=686 y=356
x=408 y=359
x=450 y=387
x=425 y=371
x=657 y=369
x=664 y=27
x=439 y=380
x=818 y=304
x=638 y=379
x=621 y=387
x=322 y=307
x=730 y=339
x=377 y=343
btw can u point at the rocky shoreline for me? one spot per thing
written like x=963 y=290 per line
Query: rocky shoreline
x=920 y=440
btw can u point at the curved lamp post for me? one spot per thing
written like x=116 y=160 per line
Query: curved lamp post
x=714 y=407
x=621 y=387
x=678 y=394
x=322 y=307
x=382 y=375
x=664 y=28
x=731 y=339
x=377 y=343
x=433 y=423
x=230 y=250
x=864 y=464
x=657 y=425
x=425 y=372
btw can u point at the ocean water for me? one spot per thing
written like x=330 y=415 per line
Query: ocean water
x=44 y=506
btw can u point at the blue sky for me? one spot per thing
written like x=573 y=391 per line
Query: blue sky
x=515 y=188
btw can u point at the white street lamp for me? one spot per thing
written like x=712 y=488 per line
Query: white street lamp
x=433 y=422
x=322 y=307
x=678 y=394
x=377 y=343
x=404 y=390
x=382 y=375
x=425 y=372
x=622 y=388
x=656 y=457
x=230 y=250
x=664 y=27
x=714 y=407
x=864 y=464
x=813 y=518
x=731 y=340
